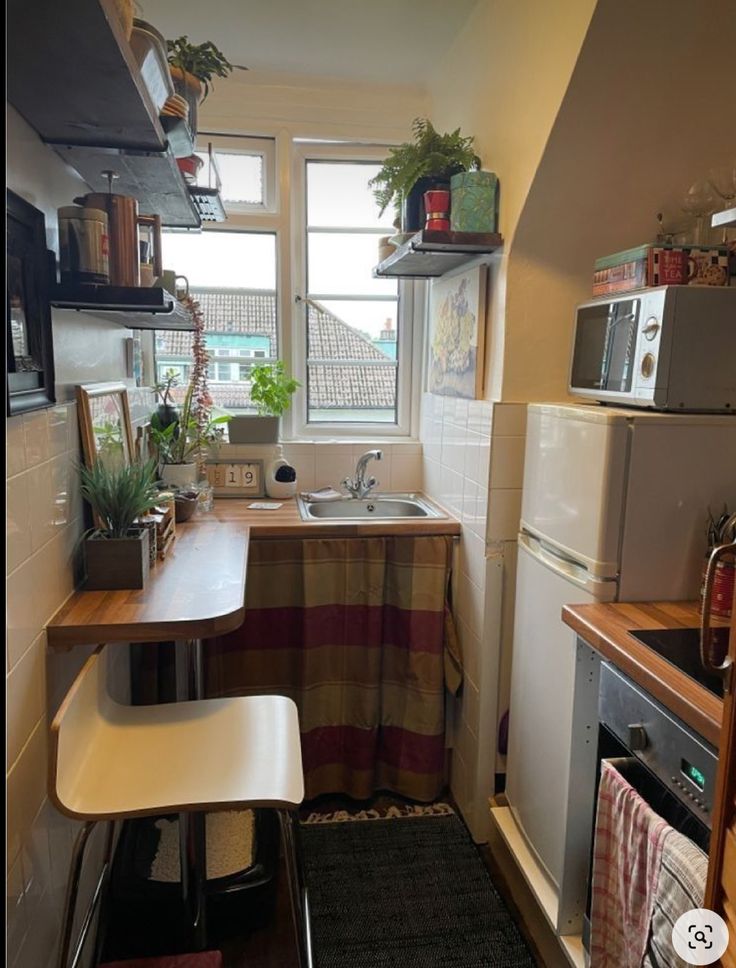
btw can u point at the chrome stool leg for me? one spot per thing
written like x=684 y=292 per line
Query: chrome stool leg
x=289 y=821
x=72 y=893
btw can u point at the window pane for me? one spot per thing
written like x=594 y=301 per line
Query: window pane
x=372 y=319
x=227 y=260
x=241 y=175
x=349 y=375
x=239 y=312
x=338 y=195
x=341 y=264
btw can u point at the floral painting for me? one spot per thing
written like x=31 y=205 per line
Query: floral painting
x=456 y=332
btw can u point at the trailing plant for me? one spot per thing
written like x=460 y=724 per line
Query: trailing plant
x=204 y=61
x=118 y=494
x=186 y=441
x=271 y=389
x=430 y=153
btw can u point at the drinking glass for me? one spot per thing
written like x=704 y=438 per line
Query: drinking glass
x=723 y=181
x=699 y=201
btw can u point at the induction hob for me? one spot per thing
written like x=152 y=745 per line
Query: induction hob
x=681 y=647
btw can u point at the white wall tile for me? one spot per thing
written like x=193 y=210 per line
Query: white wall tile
x=25 y=697
x=509 y=419
x=36 y=437
x=471 y=705
x=472 y=557
x=507 y=462
x=17 y=522
x=504 y=513
x=432 y=476
x=26 y=790
x=451 y=490
x=484 y=459
x=302 y=458
x=332 y=464
x=51 y=489
x=406 y=472
x=15 y=446
x=59 y=432
x=33 y=594
x=16 y=922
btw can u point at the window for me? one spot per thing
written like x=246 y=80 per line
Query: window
x=233 y=277
x=247 y=172
x=352 y=319
x=290 y=276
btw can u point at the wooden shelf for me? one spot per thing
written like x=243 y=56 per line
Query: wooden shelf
x=725 y=219
x=431 y=254
x=74 y=78
x=134 y=307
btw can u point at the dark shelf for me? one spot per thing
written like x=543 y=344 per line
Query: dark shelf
x=431 y=254
x=151 y=177
x=208 y=203
x=134 y=307
x=74 y=78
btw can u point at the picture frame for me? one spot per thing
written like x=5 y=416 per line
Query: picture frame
x=238 y=477
x=457 y=324
x=29 y=338
x=104 y=423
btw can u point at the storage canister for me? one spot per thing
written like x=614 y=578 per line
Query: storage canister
x=83 y=245
x=474 y=202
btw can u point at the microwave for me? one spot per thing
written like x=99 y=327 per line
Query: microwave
x=669 y=348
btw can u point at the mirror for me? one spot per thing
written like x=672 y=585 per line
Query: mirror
x=104 y=422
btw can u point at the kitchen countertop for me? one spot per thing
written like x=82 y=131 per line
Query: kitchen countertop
x=287 y=522
x=606 y=628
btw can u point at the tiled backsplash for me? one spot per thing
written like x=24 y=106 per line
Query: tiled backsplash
x=44 y=522
x=473 y=465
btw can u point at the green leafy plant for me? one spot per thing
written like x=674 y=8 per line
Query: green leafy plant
x=183 y=442
x=430 y=153
x=204 y=61
x=118 y=494
x=164 y=387
x=271 y=389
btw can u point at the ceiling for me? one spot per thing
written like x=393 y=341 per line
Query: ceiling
x=384 y=41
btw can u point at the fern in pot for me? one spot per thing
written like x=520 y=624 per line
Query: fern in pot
x=271 y=392
x=415 y=167
x=116 y=550
x=192 y=68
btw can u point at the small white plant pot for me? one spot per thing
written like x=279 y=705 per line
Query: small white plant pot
x=179 y=475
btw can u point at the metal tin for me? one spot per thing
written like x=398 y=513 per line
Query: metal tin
x=83 y=245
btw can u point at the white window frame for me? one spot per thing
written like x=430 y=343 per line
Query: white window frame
x=411 y=307
x=264 y=148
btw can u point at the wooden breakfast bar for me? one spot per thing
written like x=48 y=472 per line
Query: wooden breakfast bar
x=197 y=592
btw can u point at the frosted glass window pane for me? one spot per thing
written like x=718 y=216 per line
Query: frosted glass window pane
x=338 y=195
x=343 y=264
x=241 y=176
x=228 y=260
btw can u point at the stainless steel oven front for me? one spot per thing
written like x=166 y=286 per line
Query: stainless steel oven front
x=667 y=763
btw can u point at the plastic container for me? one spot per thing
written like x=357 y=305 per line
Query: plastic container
x=279 y=489
x=149 y=48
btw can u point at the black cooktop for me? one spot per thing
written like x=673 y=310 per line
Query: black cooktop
x=681 y=647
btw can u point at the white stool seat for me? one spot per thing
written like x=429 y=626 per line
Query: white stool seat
x=111 y=761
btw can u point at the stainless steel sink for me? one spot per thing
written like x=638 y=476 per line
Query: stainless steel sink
x=377 y=507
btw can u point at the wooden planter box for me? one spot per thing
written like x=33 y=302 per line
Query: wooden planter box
x=114 y=563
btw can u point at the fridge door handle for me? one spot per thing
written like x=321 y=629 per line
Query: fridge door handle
x=556 y=560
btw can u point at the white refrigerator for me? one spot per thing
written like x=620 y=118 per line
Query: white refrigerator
x=614 y=507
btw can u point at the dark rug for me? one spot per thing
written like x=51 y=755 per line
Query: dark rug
x=405 y=893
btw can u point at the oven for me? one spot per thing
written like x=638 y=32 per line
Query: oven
x=668 y=764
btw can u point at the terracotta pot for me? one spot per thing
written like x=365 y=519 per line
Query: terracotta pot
x=190 y=87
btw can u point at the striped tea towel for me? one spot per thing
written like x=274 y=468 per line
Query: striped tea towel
x=681 y=887
x=626 y=859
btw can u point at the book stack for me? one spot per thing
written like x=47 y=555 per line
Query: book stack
x=659 y=264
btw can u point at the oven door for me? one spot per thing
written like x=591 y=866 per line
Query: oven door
x=603 y=355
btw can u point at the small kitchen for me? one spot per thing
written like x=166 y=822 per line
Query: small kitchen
x=437 y=503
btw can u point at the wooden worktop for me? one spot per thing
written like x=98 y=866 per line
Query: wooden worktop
x=286 y=522
x=198 y=591
x=606 y=628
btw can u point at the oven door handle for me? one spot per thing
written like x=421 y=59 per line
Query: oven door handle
x=725 y=669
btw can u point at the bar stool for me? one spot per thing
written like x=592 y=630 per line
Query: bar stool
x=110 y=762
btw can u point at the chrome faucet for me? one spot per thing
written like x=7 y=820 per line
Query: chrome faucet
x=358 y=486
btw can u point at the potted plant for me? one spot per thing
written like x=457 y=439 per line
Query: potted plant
x=166 y=412
x=181 y=447
x=116 y=551
x=417 y=166
x=192 y=68
x=271 y=392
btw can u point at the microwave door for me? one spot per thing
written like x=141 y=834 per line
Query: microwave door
x=620 y=345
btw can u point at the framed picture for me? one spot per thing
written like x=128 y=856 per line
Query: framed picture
x=457 y=326
x=30 y=356
x=104 y=423
x=236 y=478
